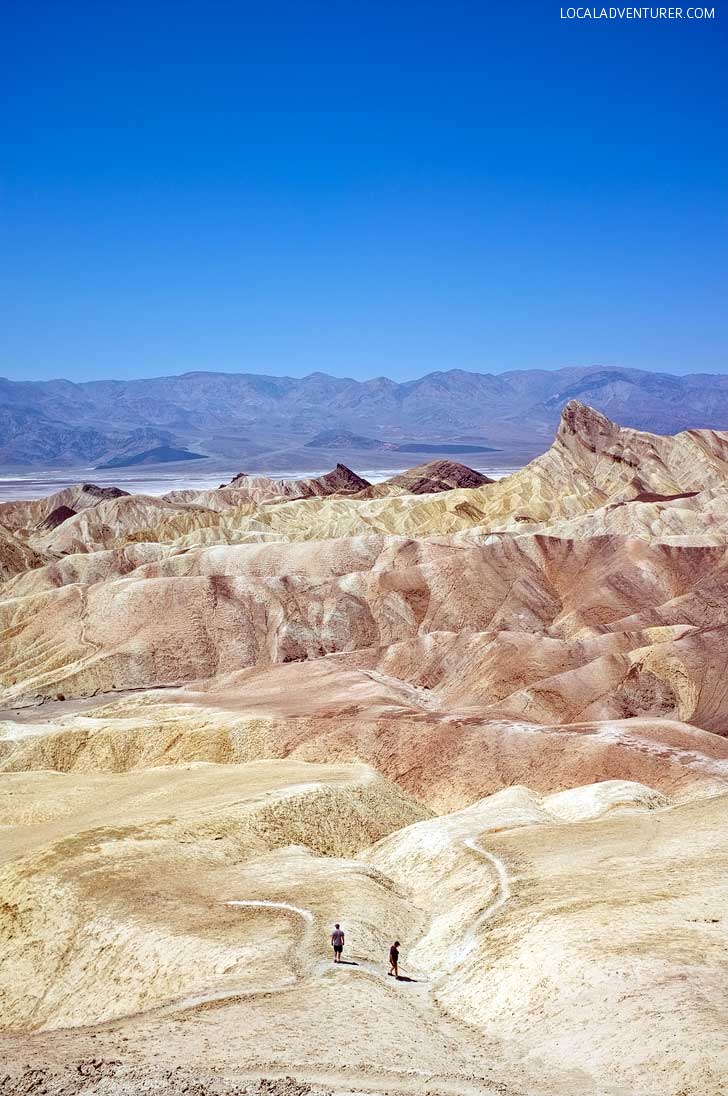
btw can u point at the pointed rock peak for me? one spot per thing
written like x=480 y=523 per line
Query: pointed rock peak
x=584 y=422
x=343 y=477
x=438 y=475
x=103 y=492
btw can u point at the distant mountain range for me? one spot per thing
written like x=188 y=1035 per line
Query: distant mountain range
x=278 y=422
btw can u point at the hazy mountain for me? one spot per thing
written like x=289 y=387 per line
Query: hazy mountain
x=162 y=454
x=347 y=439
x=245 y=415
x=328 y=439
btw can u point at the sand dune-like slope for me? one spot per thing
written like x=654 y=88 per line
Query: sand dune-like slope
x=140 y=898
x=107 y=524
x=554 y=629
x=444 y=762
x=84 y=568
x=28 y=515
x=581 y=932
x=602 y=946
x=488 y=719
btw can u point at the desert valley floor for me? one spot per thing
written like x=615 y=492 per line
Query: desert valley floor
x=487 y=719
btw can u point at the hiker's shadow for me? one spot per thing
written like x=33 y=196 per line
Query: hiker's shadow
x=348 y=963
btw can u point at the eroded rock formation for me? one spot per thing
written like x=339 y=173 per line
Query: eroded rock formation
x=490 y=718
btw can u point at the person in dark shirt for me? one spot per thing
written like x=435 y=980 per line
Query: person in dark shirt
x=337 y=942
x=394 y=959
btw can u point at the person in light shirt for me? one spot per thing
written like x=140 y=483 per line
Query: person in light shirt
x=337 y=942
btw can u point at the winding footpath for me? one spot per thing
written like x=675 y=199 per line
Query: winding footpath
x=307 y=949
x=503 y=896
x=504 y=879
x=407 y=1080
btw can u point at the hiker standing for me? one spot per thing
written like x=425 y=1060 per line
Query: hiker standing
x=394 y=959
x=337 y=942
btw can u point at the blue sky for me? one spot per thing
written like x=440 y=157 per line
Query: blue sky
x=362 y=188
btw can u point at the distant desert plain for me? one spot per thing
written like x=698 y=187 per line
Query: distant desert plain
x=485 y=718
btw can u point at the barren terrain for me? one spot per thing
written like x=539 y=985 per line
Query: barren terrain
x=486 y=719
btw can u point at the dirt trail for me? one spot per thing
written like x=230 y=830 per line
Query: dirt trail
x=504 y=880
x=423 y=987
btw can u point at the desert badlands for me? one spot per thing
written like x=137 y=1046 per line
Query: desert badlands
x=487 y=719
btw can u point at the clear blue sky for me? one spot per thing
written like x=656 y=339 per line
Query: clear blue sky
x=362 y=188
